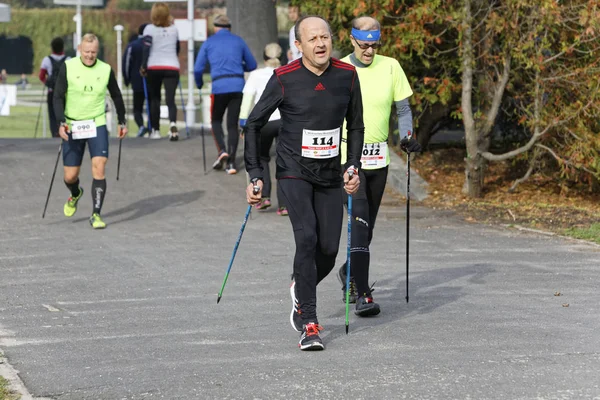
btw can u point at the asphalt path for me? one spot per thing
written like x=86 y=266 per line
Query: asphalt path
x=130 y=312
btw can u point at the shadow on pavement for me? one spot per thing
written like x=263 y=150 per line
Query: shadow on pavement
x=426 y=295
x=148 y=206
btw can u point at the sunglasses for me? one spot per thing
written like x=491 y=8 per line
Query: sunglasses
x=365 y=46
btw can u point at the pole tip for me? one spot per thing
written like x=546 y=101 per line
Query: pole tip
x=406 y=299
x=218 y=299
x=346 y=329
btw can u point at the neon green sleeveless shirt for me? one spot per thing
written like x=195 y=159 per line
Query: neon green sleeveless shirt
x=381 y=84
x=86 y=91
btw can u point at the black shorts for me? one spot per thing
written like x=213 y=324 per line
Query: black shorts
x=73 y=149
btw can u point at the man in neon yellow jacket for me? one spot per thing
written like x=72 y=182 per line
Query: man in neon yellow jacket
x=79 y=105
x=382 y=84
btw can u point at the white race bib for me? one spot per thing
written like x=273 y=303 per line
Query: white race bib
x=374 y=155
x=83 y=129
x=321 y=144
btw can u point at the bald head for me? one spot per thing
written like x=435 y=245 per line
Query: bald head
x=310 y=22
x=366 y=24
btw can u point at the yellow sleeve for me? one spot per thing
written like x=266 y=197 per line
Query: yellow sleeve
x=402 y=88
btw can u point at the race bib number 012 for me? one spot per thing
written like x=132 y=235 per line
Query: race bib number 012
x=321 y=144
x=83 y=129
x=374 y=155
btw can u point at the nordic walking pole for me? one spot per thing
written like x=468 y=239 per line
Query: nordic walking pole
x=187 y=130
x=237 y=243
x=202 y=131
x=147 y=102
x=350 y=173
x=203 y=149
x=407 y=211
x=52 y=180
x=119 y=158
x=37 y=122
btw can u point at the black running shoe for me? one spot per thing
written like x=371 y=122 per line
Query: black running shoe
x=342 y=278
x=296 y=314
x=310 y=340
x=173 y=134
x=231 y=169
x=366 y=307
x=219 y=163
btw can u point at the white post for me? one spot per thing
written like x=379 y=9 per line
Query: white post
x=78 y=27
x=119 y=29
x=191 y=106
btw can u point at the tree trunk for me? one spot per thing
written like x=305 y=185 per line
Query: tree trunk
x=473 y=162
x=255 y=21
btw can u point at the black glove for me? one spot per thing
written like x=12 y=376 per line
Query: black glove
x=410 y=145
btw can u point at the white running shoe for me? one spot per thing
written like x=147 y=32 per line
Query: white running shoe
x=155 y=135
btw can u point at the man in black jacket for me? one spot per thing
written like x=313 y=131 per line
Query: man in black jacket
x=132 y=61
x=314 y=95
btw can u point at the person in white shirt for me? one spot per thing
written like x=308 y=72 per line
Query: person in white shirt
x=294 y=15
x=253 y=89
x=161 y=65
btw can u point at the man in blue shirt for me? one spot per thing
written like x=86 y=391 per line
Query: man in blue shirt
x=229 y=57
x=132 y=61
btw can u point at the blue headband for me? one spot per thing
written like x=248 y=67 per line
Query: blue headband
x=367 y=36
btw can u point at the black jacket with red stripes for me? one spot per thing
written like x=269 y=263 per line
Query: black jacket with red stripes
x=313 y=102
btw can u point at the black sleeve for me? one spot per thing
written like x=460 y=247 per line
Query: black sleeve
x=146 y=44
x=269 y=101
x=356 y=127
x=115 y=93
x=60 y=94
x=127 y=64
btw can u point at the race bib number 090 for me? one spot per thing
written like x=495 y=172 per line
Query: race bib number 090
x=320 y=144
x=83 y=129
x=374 y=155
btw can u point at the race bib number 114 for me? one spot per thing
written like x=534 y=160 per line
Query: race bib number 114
x=320 y=144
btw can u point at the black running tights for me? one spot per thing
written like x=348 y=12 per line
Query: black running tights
x=365 y=206
x=316 y=215
x=156 y=78
x=230 y=102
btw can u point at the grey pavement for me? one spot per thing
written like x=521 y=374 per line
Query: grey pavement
x=130 y=312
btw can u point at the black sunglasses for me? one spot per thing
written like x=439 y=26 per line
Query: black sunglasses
x=365 y=46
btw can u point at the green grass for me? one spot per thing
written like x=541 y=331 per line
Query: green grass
x=592 y=233
x=33 y=81
x=5 y=392
x=21 y=123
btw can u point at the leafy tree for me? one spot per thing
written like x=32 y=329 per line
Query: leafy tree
x=555 y=88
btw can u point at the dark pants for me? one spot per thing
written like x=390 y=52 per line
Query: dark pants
x=51 y=116
x=365 y=206
x=138 y=108
x=156 y=78
x=316 y=215
x=267 y=135
x=232 y=103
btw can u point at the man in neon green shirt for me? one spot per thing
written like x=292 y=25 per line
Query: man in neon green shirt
x=79 y=105
x=383 y=84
